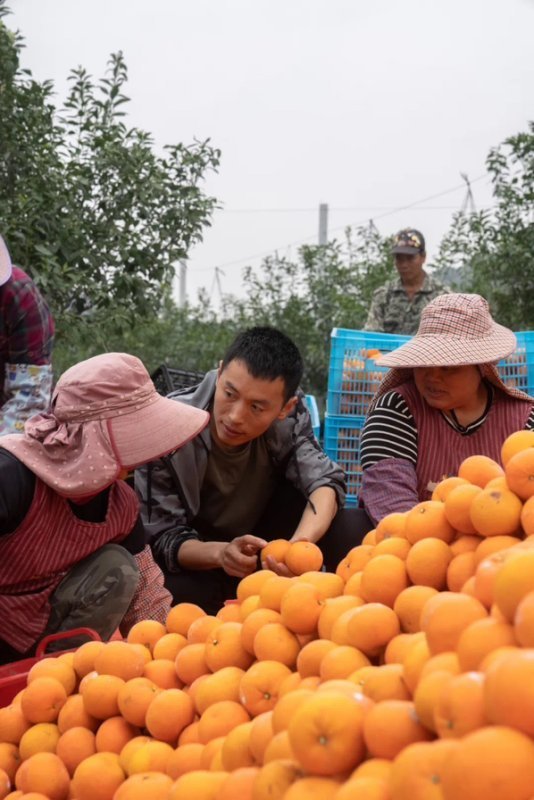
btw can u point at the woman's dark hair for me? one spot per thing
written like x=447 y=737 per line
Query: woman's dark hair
x=268 y=354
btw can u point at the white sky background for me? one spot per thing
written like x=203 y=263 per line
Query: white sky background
x=367 y=105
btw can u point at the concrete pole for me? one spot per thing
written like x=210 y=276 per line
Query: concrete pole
x=182 y=293
x=323 y=223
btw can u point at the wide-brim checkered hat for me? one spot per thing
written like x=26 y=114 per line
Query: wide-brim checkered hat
x=455 y=329
x=5 y=263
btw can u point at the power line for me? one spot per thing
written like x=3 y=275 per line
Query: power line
x=391 y=211
x=313 y=209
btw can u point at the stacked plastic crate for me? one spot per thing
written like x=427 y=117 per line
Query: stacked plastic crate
x=354 y=378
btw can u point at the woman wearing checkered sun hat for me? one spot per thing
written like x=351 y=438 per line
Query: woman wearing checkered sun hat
x=442 y=401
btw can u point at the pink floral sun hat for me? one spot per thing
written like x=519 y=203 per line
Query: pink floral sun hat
x=5 y=263
x=106 y=415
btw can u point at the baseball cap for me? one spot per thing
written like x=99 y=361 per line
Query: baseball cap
x=408 y=241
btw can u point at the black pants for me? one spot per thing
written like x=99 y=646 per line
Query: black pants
x=210 y=588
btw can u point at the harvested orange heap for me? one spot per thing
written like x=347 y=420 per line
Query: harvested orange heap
x=407 y=674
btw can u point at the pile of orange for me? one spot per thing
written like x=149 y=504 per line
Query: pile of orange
x=407 y=674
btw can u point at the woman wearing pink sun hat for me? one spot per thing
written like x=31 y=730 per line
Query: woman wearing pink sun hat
x=442 y=401
x=72 y=544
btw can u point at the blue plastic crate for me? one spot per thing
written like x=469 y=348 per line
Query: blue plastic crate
x=517 y=370
x=311 y=404
x=354 y=375
x=342 y=445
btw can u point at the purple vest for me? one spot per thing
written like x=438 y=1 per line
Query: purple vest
x=441 y=449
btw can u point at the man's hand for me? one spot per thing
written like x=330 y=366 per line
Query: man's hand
x=277 y=567
x=239 y=557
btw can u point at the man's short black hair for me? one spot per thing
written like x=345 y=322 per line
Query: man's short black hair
x=268 y=354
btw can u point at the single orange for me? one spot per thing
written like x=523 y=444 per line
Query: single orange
x=303 y=557
x=277 y=549
x=496 y=512
x=458 y=507
x=520 y=440
x=520 y=473
x=301 y=606
x=445 y=616
x=445 y=486
x=493 y=762
x=427 y=519
x=181 y=616
x=390 y=726
x=260 y=686
x=383 y=578
x=326 y=734
x=391 y=525
x=169 y=646
x=427 y=563
x=479 y=470
x=408 y=606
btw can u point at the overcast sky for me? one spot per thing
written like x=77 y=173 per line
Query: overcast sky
x=367 y=105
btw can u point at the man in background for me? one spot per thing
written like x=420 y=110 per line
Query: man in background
x=396 y=306
x=26 y=339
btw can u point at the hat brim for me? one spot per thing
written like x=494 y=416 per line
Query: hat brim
x=6 y=267
x=155 y=430
x=428 y=350
x=407 y=251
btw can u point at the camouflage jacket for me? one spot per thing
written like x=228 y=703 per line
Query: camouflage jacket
x=170 y=488
x=392 y=311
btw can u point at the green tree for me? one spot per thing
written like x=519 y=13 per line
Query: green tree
x=191 y=338
x=326 y=287
x=492 y=251
x=86 y=204
x=323 y=288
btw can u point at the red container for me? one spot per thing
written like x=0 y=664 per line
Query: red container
x=13 y=676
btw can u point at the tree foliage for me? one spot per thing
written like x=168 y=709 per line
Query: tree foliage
x=492 y=251
x=326 y=287
x=191 y=338
x=86 y=205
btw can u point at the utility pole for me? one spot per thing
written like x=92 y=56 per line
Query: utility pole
x=182 y=293
x=323 y=223
x=469 y=200
x=216 y=283
x=218 y=273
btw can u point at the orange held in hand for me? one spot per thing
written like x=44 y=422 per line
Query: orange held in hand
x=303 y=557
x=277 y=549
x=299 y=557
